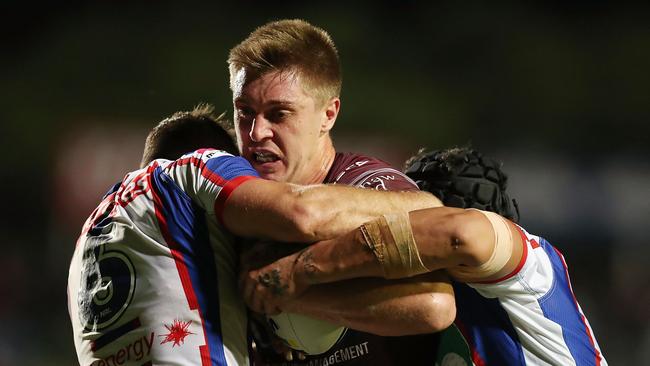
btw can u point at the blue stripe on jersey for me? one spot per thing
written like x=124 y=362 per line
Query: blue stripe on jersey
x=187 y=225
x=101 y=222
x=113 y=189
x=229 y=167
x=487 y=327
x=558 y=305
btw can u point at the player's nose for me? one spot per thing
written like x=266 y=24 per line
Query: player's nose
x=260 y=129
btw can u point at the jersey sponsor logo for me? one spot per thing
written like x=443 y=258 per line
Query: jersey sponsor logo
x=382 y=175
x=134 y=351
x=177 y=333
x=111 y=335
x=108 y=281
x=342 y=355
x=356 y=164
x=210 y=154
x=378 y=182
x=206 y=154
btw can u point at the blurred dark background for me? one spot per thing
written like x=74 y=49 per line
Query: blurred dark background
x=558 y=91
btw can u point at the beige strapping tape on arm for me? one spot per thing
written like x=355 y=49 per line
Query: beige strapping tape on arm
x=501 y=254
x=390 y=238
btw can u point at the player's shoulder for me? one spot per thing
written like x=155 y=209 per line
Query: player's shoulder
x=349 y=164
x=204 y=155
x=196 y=158
x=215 y=165
x=201 y=158
x=367 y=171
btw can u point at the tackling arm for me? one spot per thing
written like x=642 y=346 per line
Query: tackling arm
x=287 y=212
x=420 y=304
x=447 y=238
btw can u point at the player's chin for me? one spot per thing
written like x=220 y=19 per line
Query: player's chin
x=271 y=170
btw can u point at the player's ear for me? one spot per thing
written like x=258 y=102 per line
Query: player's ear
x=331 y=112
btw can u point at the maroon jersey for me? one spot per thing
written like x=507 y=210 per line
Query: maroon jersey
x=363 y=171
x=356 y=347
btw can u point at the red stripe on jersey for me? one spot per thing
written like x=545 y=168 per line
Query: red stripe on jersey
x=227 y=186
x=189 y=160
x=176 y=254
x=200 y=164
x=206 y=360
x=183 y=272
x=524 y=255
x=534 y=244
x=212 y=177
x=575 y=302
x=226 y=191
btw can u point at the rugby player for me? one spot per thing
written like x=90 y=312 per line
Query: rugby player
x=152 y=280
x=516 y=305
x=286 y=82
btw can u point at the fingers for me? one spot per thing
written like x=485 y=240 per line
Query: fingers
x=288 y=355
x=256 y=294
x=268 y=288
x=247 y=286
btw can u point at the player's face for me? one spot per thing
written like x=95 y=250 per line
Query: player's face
x=280 y=126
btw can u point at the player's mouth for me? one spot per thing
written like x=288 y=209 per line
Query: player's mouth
x=265 y=157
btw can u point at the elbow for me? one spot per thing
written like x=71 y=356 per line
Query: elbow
x=433 y=315
x=469 y=237
x=438 y=313
x=306 y=220
x=443 y=313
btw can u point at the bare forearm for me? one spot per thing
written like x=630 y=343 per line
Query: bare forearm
x=284 y=212
x=336 y=210
x=440 y=239
x=388 y=308
x=445 y=237
x=342 y=258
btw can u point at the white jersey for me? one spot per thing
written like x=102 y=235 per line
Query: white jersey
x=529 y=317
x=153 y=276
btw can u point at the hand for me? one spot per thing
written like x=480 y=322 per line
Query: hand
x=267 y=289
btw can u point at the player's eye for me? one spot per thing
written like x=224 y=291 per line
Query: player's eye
x=278 y=115
x=244 y=112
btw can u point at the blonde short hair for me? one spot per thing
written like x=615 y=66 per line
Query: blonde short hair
x=290 y=45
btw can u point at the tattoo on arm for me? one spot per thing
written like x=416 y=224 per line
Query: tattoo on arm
x=306 y=257
x=273 y=281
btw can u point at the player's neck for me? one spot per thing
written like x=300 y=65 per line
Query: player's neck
x=323 y=163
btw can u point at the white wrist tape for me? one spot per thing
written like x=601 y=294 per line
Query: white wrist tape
x=390 y=238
